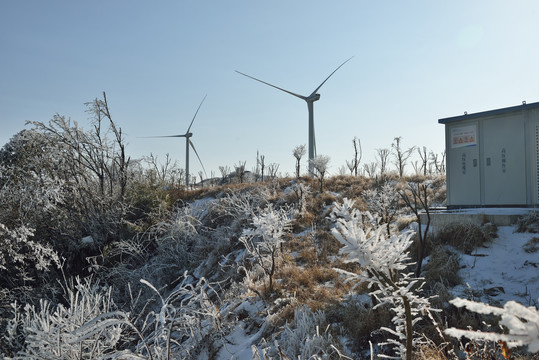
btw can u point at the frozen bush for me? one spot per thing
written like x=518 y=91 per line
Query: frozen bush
x=235 y=208
x=20 y=256
x=308 y=337
x=383 y=202
x=529 y=222
x=184 y=321
x=52 y=331
x=383 y=260
x=263 y=241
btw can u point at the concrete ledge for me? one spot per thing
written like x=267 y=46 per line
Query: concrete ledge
x=478 y=216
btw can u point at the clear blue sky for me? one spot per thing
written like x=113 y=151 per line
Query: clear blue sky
x=414 y=62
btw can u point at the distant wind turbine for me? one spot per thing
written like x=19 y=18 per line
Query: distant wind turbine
x=188 y=142
x=310 y=105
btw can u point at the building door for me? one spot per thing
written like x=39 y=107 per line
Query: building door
x=464 y=177
x=504 y=161
x=533 y=151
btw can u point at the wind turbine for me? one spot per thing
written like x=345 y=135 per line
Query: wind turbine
x=188 y=142
x=310 y=99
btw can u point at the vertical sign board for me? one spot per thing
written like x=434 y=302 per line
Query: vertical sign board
x=463 y=157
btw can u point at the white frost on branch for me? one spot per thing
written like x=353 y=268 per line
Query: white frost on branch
x=382 y=260
x=369 y=247
x=19 y=253
x=522 y=323
x=263 y=241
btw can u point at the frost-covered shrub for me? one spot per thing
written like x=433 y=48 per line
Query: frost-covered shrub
x=31 y=182
x=90 y=325
x=522 y=324
x=383 y=260
x=235 y=208
x=263 y=240
x=165 y=251
x=185 y=321
x=383 y=202
x=529 y=222
x=299 y=193
x=21 y=257
x=532 y=245
x=359 y=322
x=443 y=266
x=309 y=337
x=49 y=331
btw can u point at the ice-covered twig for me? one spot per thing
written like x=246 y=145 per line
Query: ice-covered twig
x=521 y=322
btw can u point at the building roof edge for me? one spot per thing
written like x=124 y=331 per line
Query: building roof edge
x=524 y=106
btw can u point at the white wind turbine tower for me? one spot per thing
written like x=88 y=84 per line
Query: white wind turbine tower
x=310 y=105
x=188 y=142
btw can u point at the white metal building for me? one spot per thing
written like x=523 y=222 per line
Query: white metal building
x=492 y=158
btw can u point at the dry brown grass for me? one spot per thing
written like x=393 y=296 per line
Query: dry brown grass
x=296 y=243
x=532 y=246
x=443 y=267
x=464 y=237
x=304 y=221
x=404 y=221
x=360 y=322
x=430 y=352
x=308 y=255
x=312 y=284
x=351 y=187
x=326 y=245
x=529 y=223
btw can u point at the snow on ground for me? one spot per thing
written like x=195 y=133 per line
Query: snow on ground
x=239 y=342
x=501 y=271
x=497 y=273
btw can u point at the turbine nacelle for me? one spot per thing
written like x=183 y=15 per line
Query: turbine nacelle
x=313 y=98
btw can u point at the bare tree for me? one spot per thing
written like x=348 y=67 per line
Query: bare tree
x=212 y=178
x=161 y=174
x=354 y=164
x=383 y=156
x=416 y=196
x=180 y=175
x=98 y=168
x=260 y=162
x=201 y=175
x=240 y=171
x=417 y=167
x=383 y=202
x=370 y=169
x=439 y=163
x=272 y=170
x=320 y=168
x=424 y=159
x=224 y=170
x=401 y=156
x=298 y=153
x=342 y=170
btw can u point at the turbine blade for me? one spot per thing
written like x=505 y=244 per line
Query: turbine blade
x=319 y=86
x=189 y=128
x=164 y=136
x=196 y=153
x=263 y=82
